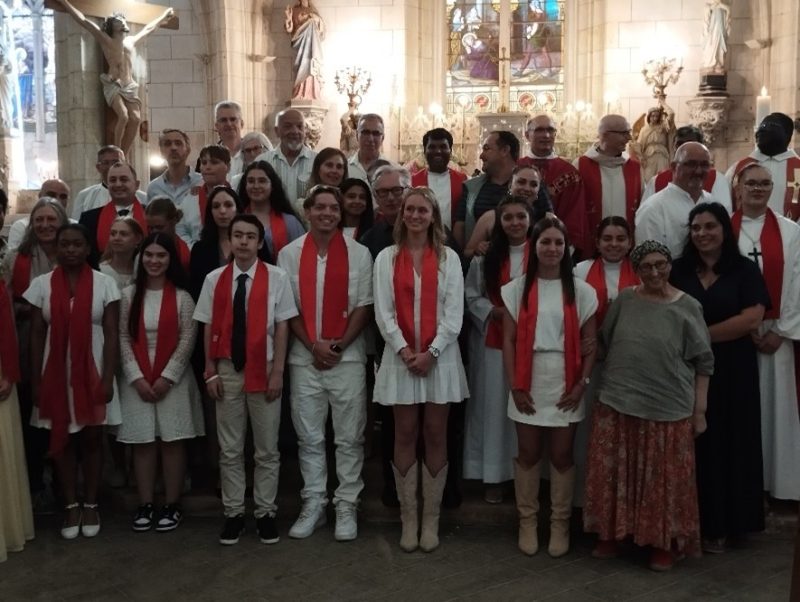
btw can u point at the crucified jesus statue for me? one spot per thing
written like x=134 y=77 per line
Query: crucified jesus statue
x=119 y=49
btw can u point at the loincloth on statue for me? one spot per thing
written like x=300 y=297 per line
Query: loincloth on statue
x=112 y=89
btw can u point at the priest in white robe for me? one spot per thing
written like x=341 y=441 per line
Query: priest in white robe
x=757 y=226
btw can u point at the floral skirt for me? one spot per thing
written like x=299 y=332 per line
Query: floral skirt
x=640 y=481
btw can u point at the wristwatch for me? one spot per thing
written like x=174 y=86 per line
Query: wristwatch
x=434 y=352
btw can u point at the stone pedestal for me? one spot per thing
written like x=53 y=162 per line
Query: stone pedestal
x=710 y=113
x=713 y=84
x=314 y=111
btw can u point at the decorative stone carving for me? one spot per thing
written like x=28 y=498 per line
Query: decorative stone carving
x=710 y=113
x=314 y=113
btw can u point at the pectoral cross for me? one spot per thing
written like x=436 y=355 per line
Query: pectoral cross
x=795 y=186
x=755 y=254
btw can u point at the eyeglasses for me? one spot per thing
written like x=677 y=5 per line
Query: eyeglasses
x=254 y=149
x=695 y=164
x=659 y=266
x=383 y=193
x=375 y=133
x=758 y=184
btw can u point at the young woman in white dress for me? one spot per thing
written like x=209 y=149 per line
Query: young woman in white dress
x=74 y=354
x=419 y=307
x=490 y=441
x=119 y=259
x=549 y=313
x=158 y=394
x=608 y=273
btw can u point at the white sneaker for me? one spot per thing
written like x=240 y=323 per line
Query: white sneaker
x=346 y=524
x=311 y=517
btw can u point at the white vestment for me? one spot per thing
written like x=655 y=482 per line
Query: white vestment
x=780 y=424
x=490 y=439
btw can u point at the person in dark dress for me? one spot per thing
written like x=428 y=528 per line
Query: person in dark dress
x=734 y=295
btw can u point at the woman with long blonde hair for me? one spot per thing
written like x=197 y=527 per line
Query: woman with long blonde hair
x=419 y=306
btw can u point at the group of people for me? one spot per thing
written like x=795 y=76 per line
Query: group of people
x=636 y=352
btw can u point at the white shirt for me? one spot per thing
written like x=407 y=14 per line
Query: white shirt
x=280 y=302
x=160 y=187
x=610 y=270
x=440 y=184
x=191 y=223
x=664 y=217
x=95 y=196
x=356 y=170
x=478 y=302
x=777 y=167
x=295 y=176
x=359 y=293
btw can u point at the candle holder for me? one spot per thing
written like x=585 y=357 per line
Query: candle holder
x=355 y=83
x=660 y=73
x=579 y=128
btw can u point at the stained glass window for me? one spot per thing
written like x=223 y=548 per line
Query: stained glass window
x=475 y=52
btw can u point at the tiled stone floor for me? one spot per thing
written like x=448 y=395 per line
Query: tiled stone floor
x=474 y=562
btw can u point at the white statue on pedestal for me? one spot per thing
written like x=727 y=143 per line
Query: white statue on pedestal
x=716 y=29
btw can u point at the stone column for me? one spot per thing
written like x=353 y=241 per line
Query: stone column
x=80 y=103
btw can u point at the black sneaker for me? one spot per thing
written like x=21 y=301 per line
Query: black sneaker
x=143 y=521
x=233 y=528
x=267 y=531
x=169 y=518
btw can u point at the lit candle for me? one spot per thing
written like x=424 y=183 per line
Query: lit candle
x=762 y=106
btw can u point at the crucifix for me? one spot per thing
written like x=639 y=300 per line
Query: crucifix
x=120 y=89
x=755 y=254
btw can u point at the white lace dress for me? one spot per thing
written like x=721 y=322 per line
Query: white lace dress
x=179 y=415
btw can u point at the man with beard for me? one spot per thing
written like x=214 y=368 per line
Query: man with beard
x=446 y=183
x=499 y=155
x=663 y=216
x=292 y=159
x=773 y=153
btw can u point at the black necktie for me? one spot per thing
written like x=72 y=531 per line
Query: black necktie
x=239 y=334
x=123 y=212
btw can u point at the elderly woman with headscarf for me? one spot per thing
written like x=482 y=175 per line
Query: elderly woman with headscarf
x=651 y=402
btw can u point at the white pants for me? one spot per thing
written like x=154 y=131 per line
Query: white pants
x=343 y=387
x=265 y=418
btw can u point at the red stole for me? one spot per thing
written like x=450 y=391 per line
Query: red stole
x=9 y=351
x=21 y=275
x=597 y=278
x=334 y=294
x=526 y=333
x=665 y=177
x=184 y=252
x=166 y=338
x=109 y=213
x=456 y=183
x=593 y=182
x=70 y=329
x=771 y=258
x=255 y=369
x=202 y=199
x=494 y=332
x=280 y=237
x=403 y=281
